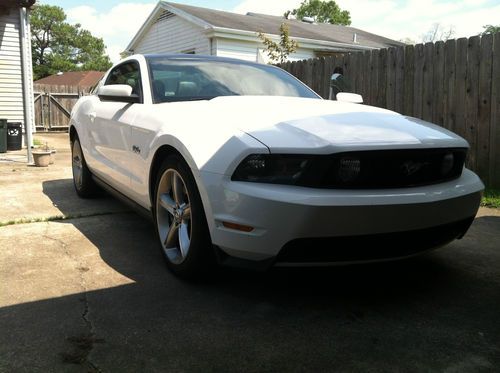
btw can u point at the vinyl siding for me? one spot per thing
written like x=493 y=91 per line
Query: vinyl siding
x=173 y=35
x=248 y=50
x=11 y=82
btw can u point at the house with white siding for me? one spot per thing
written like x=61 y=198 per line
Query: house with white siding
x=16 y=77
x=179 y=28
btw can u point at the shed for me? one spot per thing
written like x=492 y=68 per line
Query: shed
x=179 y=28
x=82 y=79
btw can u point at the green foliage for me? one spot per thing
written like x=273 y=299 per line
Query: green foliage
x=491 y=198
x=322 y=12
x=490 y=29
x=59 y=46
x=279 y=52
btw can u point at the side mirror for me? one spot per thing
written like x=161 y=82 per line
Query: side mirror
x=353 y=98
x=117 y=92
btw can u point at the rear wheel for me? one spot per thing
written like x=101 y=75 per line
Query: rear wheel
x=180 y=220
x=82 y=178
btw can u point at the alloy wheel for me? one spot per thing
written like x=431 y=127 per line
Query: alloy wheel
x=173 y=211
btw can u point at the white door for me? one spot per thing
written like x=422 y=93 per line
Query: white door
x=111 y=128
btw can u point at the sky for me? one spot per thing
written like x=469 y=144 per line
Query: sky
x=118 y=21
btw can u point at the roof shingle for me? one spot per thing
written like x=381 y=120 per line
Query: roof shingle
x=270 y=25
x=73 y=78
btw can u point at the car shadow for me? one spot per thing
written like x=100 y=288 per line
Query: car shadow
x=378 y=279
x=434 y=312
x=387 y=279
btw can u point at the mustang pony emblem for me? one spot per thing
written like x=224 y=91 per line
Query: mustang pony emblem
x=409 y=167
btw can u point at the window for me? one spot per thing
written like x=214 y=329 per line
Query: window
x=127 y=73
x=94 y=89
x=198 y=79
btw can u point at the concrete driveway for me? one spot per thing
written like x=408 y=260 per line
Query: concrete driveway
x=83 y=288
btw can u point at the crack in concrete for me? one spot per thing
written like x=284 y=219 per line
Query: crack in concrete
x=83 y=344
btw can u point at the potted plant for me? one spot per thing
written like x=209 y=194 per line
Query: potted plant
x=52 y=156
x=41 y=156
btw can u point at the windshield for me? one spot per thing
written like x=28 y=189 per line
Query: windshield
x=186 y=80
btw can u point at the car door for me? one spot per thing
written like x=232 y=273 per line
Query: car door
x=111 y=126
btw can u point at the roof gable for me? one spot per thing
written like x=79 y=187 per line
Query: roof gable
x=254 y=22
x=270 y=25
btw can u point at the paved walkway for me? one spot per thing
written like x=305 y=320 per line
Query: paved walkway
x=91 y=294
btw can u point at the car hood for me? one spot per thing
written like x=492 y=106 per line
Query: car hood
x=287 y=124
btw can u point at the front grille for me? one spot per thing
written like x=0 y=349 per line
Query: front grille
x=371 y=247
x=384 y=169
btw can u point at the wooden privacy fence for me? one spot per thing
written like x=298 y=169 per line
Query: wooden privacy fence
x=455 y=84
x=53 y=105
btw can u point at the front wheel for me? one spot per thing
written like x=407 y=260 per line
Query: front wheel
x=82 y=178
x=180 y=220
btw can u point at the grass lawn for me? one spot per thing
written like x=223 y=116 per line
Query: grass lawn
x=491 y=198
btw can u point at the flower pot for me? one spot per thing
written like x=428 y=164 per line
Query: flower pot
x=52 y=156
x=41 y=158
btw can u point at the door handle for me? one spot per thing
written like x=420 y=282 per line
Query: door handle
x=92 y=116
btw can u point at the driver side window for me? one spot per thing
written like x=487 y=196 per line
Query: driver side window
x=127 y=73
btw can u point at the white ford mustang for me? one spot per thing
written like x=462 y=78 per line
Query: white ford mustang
x=241 y=163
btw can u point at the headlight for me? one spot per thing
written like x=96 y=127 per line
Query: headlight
x=447 y=164
x=272 y=168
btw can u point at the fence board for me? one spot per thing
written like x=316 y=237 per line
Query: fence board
x=495 y=115
x=484 y=109
x=327 y=71
x=381 y=98
x=374 y=72
x=449 y=84
x=399 y=80
x=409 y=79
x=323 y=81
x=367 y=75
x=460 y=86
x=427 y=82
x=418 y=80
x=472 y=98
x=438 y=84
x=358 y=87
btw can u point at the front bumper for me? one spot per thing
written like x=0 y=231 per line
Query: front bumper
x=284 y=215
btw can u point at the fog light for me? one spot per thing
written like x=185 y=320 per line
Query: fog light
x=257 y=162
x=447 y=164
x=349 y=169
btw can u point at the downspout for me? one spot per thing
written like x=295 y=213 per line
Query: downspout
x=27 y=82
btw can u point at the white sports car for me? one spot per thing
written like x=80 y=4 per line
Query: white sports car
x=242 y=164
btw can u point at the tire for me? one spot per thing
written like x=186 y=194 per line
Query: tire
x=180 y=221
x=82 y=177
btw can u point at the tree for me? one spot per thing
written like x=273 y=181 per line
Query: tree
x=279 y=52
x=408 y=41
x=438 y=32
x=59 y=46
x=322 y=12
x=490 y=29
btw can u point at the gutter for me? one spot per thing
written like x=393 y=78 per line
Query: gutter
x=223 y=32
x=27 y=82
